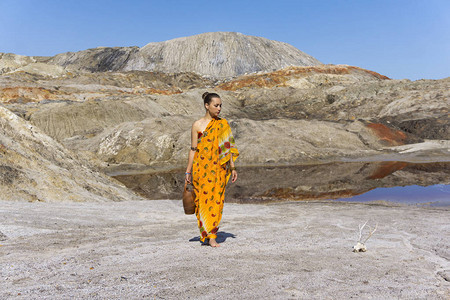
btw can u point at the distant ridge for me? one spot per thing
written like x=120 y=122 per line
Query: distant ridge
x=216 y=54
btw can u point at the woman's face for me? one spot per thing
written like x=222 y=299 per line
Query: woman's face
x=214 y=107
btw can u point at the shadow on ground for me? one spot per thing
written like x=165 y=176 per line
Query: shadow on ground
x=221 y=237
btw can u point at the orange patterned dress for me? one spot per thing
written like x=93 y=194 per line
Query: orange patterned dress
x=211 y=173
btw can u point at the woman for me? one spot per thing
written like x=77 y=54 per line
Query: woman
x=211 y=162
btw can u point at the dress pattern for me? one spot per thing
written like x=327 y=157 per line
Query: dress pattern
x=211 y=173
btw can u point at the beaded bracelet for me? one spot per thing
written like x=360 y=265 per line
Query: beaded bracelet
x=187 y=173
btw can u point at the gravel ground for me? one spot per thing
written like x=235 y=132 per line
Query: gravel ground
x=149 y=249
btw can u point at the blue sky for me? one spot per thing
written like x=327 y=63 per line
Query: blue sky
x=397 y=38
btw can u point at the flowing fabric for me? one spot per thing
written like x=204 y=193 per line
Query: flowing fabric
x=211 y=173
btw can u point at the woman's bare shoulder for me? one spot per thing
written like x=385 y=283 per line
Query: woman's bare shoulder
x=197 y=124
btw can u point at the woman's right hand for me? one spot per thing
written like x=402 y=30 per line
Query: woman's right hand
x=188 y=178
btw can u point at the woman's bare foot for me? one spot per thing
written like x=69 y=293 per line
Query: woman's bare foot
x=213 y=243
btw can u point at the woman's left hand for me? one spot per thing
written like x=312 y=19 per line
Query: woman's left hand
x=233 y=176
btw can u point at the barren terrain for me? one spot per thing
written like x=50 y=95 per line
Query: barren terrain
x=280 y=251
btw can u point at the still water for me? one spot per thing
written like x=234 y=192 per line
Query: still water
x=433 y=195
x=393 y=181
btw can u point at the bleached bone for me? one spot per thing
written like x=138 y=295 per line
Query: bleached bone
x=360 y=246
x=360 y=230
x=371 y=232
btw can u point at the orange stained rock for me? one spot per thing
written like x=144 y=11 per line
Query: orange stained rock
x=279 y=78
x=388 y=136
x=387 y=168
x=36 y=94
x=27 y=94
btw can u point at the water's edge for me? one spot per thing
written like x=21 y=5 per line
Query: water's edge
x=308 y=182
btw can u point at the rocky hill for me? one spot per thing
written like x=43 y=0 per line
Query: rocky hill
x=218 y=54
x=214 y=54
x=34 y=167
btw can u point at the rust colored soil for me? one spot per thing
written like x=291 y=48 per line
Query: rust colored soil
x=27 y=94
x=278 y=78
x=388 y=136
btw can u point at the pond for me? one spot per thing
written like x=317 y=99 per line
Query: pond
x=392 y=181
x=433 y=195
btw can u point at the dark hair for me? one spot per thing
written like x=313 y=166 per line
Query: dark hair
x=207 y=97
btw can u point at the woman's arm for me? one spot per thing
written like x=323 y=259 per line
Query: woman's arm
x=233 y=170
x=191 y=154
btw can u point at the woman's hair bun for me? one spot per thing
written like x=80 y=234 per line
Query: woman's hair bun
x=207 y=97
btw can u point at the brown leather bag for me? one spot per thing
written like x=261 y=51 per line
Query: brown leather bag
x=188 y=201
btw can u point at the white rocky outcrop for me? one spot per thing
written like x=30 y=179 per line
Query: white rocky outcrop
x=10 y=62
x=34 y=167
x=218 y=54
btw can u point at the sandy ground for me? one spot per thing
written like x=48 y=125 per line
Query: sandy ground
x=149 y=249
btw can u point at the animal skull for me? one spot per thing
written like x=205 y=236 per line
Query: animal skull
x=360 y=246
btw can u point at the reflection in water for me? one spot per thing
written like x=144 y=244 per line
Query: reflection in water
x=434 y=195
x=386 y=168
x=303 y=182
